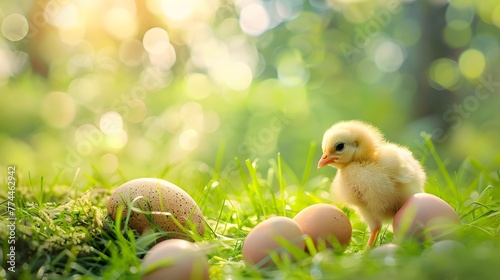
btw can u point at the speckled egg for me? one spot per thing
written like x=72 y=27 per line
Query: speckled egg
x=327 y=225
x=158 y=197
x=264 y=239
x=175 y=259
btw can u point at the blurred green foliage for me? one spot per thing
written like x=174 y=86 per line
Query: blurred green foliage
x=124 y=89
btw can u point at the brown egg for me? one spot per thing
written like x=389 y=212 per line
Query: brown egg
x=425 y=217
x=263 y=239
x=175 y=259
x=163 y=197
x=326 y=225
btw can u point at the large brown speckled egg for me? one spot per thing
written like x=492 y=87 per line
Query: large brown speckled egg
x=163 y=197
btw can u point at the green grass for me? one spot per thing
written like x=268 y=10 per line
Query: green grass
x=63 y=232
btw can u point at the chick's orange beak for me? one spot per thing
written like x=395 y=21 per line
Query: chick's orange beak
x=325 y=160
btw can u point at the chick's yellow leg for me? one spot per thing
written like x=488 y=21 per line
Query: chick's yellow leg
x=373 y=237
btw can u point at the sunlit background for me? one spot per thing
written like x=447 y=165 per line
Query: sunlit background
x=124 y=89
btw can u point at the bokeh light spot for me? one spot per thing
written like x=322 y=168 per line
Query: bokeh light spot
x=58 y=109
x=108 y=163
x=11 y=63
x=472 y=63
x=73 y=35
x=457 y=38
x=117 y=140
x=131 y=52
x=120 y=23
x=358 y=12
x=137 y=111
x=254 y=19
x=487 y=44
x=459 y=17
x=484 y=9
x=15 y=27
x=389 y=56
x=211 y=122
x=444 y=73
x=189 y=139
x=164 y=60
x=198 y=86
x=234 y=75
x=111 y=123
x=192 y=114
x=156 y=40
x=171 y=120
x=177 y=9
x=64 y=16
x=495 y=16
x=85 y=89
x=157 y=43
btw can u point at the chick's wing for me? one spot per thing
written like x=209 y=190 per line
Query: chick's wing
x=401 y=166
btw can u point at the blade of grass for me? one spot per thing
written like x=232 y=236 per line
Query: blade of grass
x=269 y=185
x=218 y=160
x=246 y=185
x=74 y=182
x=442 y=168
x=282 y=185
x=219 y=216
x=309 y=163
x=168 y=166
x=256 y=186
x=310 y=246
x=40 y=197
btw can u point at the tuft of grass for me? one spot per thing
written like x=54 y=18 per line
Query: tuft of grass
x=69 y=237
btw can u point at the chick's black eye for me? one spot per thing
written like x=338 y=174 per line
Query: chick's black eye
x=339 y=147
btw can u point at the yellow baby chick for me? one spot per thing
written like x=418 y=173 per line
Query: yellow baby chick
x=374 y=176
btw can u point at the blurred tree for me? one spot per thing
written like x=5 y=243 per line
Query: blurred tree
x=429 y=101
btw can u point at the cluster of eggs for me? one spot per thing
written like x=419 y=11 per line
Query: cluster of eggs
x=325 y=224
x=150 y=203
x=422 y=217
